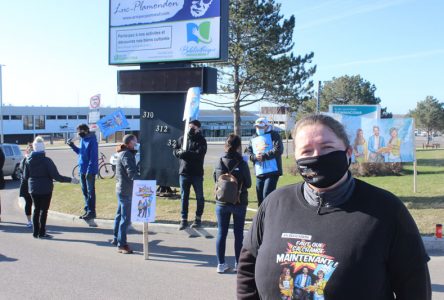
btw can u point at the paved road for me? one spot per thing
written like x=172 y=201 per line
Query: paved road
x=79 y=263
x=66 y=159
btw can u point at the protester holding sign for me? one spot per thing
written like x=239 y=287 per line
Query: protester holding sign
x=126 y=172
x=265 y=151
x=191 y=171
x=88 y=158
x=231 y=164
x=358 y=240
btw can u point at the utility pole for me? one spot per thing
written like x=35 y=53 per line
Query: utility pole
x=318 y=100
x=1 y=106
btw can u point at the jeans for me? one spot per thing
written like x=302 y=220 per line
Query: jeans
x=41 y=206
x=223 y=214
x=87 y=182
x=264 y=186
x=28 y=204
x=185 y=185
x=123 y=219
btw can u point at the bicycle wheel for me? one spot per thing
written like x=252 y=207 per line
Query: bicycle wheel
x=75 y=172
x=107 y=171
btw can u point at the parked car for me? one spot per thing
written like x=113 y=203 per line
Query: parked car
x=13 y=157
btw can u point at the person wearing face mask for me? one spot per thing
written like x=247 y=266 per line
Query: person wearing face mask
x=232 y=162
x=126 y=172
x=265 y=150
x=88 y=159
x=361 y=237
x=191 y=172
x=39 y=172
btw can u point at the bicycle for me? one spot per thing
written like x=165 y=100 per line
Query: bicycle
x=106 y=169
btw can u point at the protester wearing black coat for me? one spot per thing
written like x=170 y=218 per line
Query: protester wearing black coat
x=40 y=171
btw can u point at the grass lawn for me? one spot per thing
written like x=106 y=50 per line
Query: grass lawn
x=426 y=205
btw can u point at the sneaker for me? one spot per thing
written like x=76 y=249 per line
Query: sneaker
x=222 y=268
x=29 y=224
x=113 y=242
x=89 y=216
x=45 y=236
x=196 y=224
x=125 y=250
x=183 y=224
x=82 y=216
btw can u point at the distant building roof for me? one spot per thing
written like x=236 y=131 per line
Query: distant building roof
x=205 y=115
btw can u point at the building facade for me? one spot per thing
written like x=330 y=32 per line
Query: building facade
x=22 y=123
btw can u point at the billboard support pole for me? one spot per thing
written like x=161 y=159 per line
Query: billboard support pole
x=415 y=165
x=318 y=101
x=415 y=173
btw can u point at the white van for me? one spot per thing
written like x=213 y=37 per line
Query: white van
x=13 y=157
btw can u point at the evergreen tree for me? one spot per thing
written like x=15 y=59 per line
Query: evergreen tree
x=261 y=65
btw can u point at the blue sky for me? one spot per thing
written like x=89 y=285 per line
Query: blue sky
x=56 y=52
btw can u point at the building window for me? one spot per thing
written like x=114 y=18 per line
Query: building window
x=28 y=122
x=82 y=117
x=39 y=122
x=51 y=117
x=72 y=117
x=16 y=117
x=5 y=117
x=61 y=117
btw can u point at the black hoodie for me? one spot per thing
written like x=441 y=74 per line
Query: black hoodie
x=191 y=160
x=40 y=171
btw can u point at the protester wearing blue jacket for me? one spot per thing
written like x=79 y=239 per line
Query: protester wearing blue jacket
x=88 y=157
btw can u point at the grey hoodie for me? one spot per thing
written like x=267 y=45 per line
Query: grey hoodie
x=126 y=172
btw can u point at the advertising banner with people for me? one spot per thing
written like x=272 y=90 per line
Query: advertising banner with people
x=161 y=31
x=380 y=140
x=112 y=123
x=143 y=205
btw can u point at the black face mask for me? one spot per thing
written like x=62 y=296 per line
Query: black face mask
x=192 y=131
x=82 y=134
x=324 y=170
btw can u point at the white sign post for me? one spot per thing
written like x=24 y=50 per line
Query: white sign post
x=143 y=207
x=191 y=111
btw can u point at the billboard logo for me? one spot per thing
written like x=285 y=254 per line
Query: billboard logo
x=199 y=7
x=199 y=33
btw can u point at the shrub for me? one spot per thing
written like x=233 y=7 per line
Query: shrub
x=376 y=169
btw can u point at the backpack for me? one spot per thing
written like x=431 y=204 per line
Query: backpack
x=227 y=188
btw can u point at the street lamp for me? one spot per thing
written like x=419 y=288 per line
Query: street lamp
x=1 y=106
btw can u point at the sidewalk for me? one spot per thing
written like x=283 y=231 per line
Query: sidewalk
x=433 y=245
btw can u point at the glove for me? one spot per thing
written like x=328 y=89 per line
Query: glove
x=70 y=142
x=74 y=180
x=179 y=153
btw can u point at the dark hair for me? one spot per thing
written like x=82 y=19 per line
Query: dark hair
x=196 y=122
x=128 y=138
x=232 y=143
x=337 y=128
x=83 y=127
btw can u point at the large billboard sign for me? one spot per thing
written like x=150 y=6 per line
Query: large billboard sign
x=167 y=30
x=380 y=140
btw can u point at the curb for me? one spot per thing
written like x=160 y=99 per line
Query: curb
x=206 y=232
x=433 y=245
